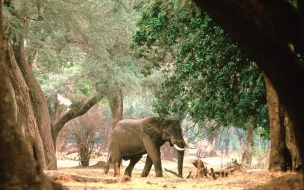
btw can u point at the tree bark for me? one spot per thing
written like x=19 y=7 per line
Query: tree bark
x=291 y=154
x=18 y=168
x=26 y=117
x=116 y=105
x=37 y=100
x=277 y=135
x=248 y=153
x=54 y=107
x=252 y=25
x=40 y=108
x=284 y=153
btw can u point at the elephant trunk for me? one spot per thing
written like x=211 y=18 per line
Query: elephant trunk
x=180 y=161
x=179 y=145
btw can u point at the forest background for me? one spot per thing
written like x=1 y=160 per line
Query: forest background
x=67 y=57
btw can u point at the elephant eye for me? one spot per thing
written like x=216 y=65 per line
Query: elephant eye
x=170 y=132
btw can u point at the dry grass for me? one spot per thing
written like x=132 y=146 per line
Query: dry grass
x=93 y=177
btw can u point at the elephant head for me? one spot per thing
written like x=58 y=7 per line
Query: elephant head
x=166 y=130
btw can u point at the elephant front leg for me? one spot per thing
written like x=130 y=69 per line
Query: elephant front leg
x=157 y=167
x=130 y=167
x=147 y=168
x=154 y=154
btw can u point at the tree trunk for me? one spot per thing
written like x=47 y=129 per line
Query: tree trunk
x=248 y=153
x=283 y=151
x=240 y=137
x=62 y=140
x=292 y=155
x=277 y=139
x=38 y=104
x=18 y=168
x=227 y=143
x=54 y=108
x=34 y=111
x=116 y=105
x=26 y=118
x=269 y=49
x=212 y=144
x=39 y=109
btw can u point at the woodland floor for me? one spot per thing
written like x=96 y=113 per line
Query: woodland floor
x=93 y=177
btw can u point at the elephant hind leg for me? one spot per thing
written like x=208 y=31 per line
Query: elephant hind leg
x=147 y=168
x=117 y=162
x=107 y=167
x=130 y=167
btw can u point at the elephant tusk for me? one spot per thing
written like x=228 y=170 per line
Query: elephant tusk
x=178 y=148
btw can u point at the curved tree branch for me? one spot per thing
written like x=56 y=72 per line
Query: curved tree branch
x=76 y=111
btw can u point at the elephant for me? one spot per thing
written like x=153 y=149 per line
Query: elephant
x=132 y=138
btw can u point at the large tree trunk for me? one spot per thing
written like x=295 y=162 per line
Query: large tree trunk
x=277 y=136
x=284 y=153
x=18 y=168
x=292 y=155
x=253 y=26
x=26 y=118
x=41 y=119
x=39 y=106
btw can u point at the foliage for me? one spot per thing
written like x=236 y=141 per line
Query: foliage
x=138 y=106
x=76 y=45
x=206 y=75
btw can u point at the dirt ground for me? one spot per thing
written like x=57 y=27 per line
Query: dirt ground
x=93 y=177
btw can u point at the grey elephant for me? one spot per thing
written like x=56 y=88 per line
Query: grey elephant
x=132 y=138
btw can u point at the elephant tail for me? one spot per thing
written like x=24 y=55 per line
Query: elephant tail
x=107 y=166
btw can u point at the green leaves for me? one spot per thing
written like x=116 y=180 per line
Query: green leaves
x=208 y=78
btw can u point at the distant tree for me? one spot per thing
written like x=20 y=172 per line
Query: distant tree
x=83 y=131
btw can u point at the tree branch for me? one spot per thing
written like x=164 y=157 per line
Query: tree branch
x=73 y=113
x=174 y=173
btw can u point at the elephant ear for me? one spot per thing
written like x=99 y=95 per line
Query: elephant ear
x=152 y=127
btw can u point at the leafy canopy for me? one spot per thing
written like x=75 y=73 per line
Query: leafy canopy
x=76 y=45
x=206 y=75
